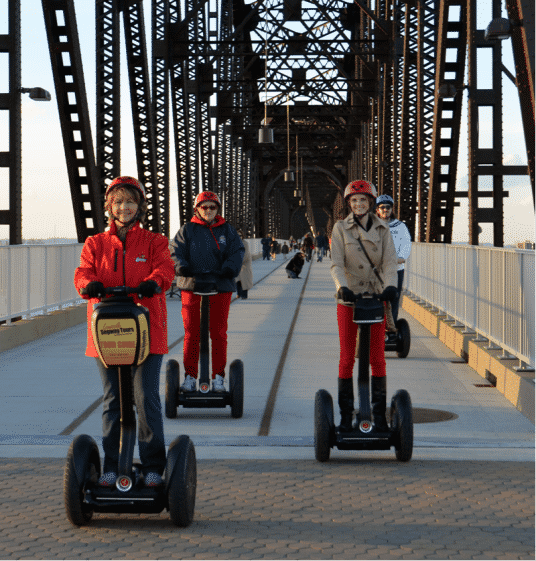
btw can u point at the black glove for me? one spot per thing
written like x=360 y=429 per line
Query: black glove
x=389 y=293
x=345 y=294
x=147 y=289
x=227 y=273
x=184 y=271
x=95 y=289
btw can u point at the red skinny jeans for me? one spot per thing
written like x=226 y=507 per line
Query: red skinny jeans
x=348 y=338
x=191 y=318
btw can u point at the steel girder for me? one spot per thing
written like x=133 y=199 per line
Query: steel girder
x=66 y=60
x=108 y=91
x=10 y=102
x=143 y=114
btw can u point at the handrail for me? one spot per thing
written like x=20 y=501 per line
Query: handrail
x=490 y=290
x=37 y=279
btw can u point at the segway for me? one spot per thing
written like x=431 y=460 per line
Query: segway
x=399 y=340
x=368 y=309
x=120 y=331
x=204 y=397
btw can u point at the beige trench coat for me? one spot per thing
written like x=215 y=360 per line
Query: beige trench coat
x=246 y=272
x=349 y=265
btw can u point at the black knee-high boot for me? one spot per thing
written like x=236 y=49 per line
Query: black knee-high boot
x=346 y=403
x=378 y=390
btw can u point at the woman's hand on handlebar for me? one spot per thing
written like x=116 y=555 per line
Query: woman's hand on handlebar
x=345 y=294
x=147 y=289
x=94 y=289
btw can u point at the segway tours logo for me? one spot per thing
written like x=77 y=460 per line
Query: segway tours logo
x=117 y=340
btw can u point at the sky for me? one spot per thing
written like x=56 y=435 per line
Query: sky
x=46 y=201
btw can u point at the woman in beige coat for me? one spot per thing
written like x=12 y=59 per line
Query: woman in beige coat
x=244 y=280
x=353 y=274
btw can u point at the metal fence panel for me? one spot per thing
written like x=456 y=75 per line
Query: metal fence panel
x=489 y=290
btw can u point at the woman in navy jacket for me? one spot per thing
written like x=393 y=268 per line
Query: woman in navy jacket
x=206 y=248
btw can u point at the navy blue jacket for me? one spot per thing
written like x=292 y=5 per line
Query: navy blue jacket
x=207 y=251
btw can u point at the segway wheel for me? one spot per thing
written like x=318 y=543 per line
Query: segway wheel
x=81 y=467
x=324 y=424
x=181 y=481
x=236 y=388
x=402 y=425
x=172 y=388
x=403 y=342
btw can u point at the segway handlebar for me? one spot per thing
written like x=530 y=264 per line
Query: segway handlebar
x=120 y=290
x=360 y=296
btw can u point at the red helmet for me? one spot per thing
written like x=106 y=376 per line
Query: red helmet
x=127 y=181
x=360 y=187
x=207 y=196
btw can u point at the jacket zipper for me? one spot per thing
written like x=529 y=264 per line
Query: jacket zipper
x=115 y=260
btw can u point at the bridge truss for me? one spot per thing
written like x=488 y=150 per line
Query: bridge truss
x=350 y=90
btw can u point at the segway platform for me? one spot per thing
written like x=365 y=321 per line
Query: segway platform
x=364 y=435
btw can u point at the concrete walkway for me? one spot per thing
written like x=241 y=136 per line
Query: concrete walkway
x=467 y=493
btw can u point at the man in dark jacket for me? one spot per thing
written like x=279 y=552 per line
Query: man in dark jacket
x=206 y=249
x=265 y=242
x=295 y=266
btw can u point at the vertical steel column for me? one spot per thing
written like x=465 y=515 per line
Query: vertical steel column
x=448 y=100
x=108 y=91
x=66 y=60
x=485 y=162
x=160 y=105
x=142 y=107
x=11 y=102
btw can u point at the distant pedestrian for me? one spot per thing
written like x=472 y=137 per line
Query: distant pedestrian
x=284 y=250
x=308 y=246
x=244 y=281
x=295 y=265
x=265 y=243
x=273 y=247
x=320 y=244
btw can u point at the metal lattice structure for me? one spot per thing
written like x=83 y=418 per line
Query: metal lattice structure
x=372 y=94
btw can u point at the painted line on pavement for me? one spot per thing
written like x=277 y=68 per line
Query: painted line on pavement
x=270 y=404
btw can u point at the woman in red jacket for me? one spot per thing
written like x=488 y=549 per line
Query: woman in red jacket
x=128 y=255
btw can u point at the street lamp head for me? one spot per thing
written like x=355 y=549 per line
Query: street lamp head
x=37 y=94
x=498 y=29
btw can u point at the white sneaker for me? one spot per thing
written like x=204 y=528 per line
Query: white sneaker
x=217 y=384
x=189 y=384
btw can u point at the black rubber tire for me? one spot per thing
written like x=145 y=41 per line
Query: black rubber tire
x=236 y=388
x=402 y=425
x=172 y=388
x=403 y=342
x=81 y=466
x=324 y=425
x=181 y=483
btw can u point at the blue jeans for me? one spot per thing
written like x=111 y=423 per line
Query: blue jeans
x=291 y=274
x=146 y=381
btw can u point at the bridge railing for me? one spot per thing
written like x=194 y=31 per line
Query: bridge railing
x=37 y=279
x=489 y=290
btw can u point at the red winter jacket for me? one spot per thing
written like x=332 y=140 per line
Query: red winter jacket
x=144 y=256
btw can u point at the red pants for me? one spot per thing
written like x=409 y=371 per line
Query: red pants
x=191 y=317
x=348 y=338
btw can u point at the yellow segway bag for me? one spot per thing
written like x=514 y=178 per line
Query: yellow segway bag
x=121 y=333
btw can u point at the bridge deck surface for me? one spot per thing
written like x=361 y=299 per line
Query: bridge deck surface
x=468 y=491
